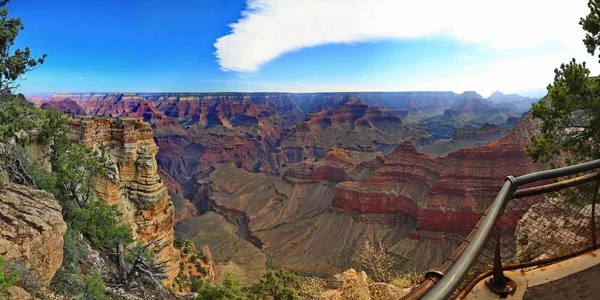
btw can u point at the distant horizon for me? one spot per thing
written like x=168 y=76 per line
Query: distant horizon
x=278 y=92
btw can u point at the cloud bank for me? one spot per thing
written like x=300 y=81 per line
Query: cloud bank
x=271 y=28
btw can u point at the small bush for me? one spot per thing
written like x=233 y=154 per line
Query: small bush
x=201 y=269
x=375 y=261
x=202 y=256
x=178 y=243
x=6 y=281
x=26 y=277
x=279 y=285
x=98 y=222
x=408 y=280
x=94 y=287
x=230 y=289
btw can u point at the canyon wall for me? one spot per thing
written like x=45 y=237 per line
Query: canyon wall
x=441 y=194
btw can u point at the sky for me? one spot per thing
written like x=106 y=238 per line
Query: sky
x=299 y=45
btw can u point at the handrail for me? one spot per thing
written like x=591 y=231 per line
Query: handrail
x=446 y=286
x=560 y=172
x=449 y=282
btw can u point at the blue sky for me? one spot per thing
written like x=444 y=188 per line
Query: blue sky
x=299 y=46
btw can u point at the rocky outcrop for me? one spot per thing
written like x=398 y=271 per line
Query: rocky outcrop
x=357 y=286
x=31 y=229
x=132 y=181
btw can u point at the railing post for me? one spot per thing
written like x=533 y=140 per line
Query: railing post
x=500 y=284
x=593 y=221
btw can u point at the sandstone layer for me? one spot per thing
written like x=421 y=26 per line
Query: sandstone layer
x=31 y=229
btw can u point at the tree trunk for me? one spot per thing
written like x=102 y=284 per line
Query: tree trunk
x=122 y=265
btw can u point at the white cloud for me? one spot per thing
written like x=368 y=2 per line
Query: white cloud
x=463 y=57
x=468 y=68
x=270 y=28
x=508 y=74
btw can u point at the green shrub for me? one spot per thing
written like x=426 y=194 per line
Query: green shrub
x=79 y=286
x=230 y=289
x=68 y=282
x=201 y=269
x=98 y=222
x=94 y=287
x=6 y=281
x=202 y=256
x=178 y=243
x=279 y=285
x=27 y=279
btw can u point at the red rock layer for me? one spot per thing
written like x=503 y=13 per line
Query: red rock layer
x=441 y=194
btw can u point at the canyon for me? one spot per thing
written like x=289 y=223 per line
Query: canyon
x=278 y=180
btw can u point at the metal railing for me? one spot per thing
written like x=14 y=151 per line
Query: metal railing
x=526 y=225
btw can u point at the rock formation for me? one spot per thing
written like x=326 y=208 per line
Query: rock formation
x=132 y=182
x=31 y=229
x=357 y=286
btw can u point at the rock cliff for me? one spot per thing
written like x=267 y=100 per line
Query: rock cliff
x=132 y=182
x=31 y=229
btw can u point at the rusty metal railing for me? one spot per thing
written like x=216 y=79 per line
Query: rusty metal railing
x=526 y=225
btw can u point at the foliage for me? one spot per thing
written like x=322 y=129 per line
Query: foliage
x=27 y=279
x=53 y=131
x=16 y=115
x=94 y=287
x=75 y=168
x=79 y=285
x=408 y=279
x=15 y=62
x=570 y=118
x=279 y=285
x=230 y=288
x=571 y=111
x=69 y=279
x=98 y=222
x=375 y=261
x=6 y=281
x=24 y=168
x=591 y=25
